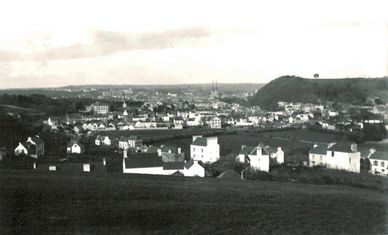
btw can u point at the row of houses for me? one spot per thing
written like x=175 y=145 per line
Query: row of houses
x=346 y=156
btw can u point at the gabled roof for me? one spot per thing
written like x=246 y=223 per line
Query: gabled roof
x=189 y=164
x=343 y=147
x=123 y=138
x=321 y=149
x=71 y=143
x=143 y=160
x=379 y=155
x=173 y=165
x=200 y=141
x=249 y=150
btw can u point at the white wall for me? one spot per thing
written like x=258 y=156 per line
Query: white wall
x=379 y=169
x=195 y=170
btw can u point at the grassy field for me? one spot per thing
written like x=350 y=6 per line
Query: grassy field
x=39 y=203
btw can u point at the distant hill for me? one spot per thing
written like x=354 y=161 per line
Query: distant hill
x=297 y=89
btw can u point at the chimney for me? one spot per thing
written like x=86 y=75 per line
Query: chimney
x=315 y=145
x=279 y=149
x=243 y=146
x=353 y=147
x=169 y=151
x=104 y=162
x=34 y=165
x=179 y=150
x=125 y=153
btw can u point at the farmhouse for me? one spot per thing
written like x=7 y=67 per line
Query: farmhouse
x=193 y=169
x=205 y=149
x=149 y=163
x=102 y=140
x=33 y=147
x=260 y=157
x=379 y=163
x=75 y=147
x=341 y=156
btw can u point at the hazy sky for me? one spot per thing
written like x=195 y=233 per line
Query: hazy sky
x=55 y=43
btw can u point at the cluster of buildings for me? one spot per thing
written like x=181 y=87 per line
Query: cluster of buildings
x=348 y=157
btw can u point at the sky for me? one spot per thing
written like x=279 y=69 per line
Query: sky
x=47 y=43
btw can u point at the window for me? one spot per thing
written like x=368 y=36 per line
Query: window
x=332 y=153
x=375 y=163
x=382 y=164
x=320 y=158
x=350 y=160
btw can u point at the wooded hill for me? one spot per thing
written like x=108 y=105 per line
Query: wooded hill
x=297 y=89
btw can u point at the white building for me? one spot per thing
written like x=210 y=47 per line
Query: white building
x=215 y=123
x=340 y=156
x=102 y=140
x=150 y=164
x=193 y=169
x=379 y=163
x=260 y=157
x=205 y=149
x=75 y=147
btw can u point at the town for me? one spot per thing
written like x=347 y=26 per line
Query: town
x=176 y=132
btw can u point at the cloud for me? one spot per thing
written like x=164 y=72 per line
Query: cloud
x=108 y=42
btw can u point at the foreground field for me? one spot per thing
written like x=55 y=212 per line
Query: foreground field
x=41 y=203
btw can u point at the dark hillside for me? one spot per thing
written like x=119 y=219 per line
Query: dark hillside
x=297 y=89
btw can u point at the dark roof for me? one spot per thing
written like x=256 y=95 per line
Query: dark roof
x=123 y=138
x=320 y=149
x=343 y=147
x=142 y=160
x=173 y=165
x=189 y=164
x=364 y=151
x=37 y=140
x=248 y=150
x=229 y=174
x=379 y=155
x=200 y=141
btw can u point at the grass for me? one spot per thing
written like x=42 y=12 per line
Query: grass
x=45 y=203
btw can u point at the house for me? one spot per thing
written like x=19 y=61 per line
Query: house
x=33 y=147
x=178 y=123
x=379 y=163
x=205 y=149
x=193 y=169
x=22 y=148
x=215 y=122
x=75 y=147
x=99 y=108
x=261 y=157
x=102 y=140
x=123 y=142
x=39 y=145
x=134 y=141
x=341 y=156
x=149 y=163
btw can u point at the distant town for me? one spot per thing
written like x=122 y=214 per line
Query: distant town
x=177 y=131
